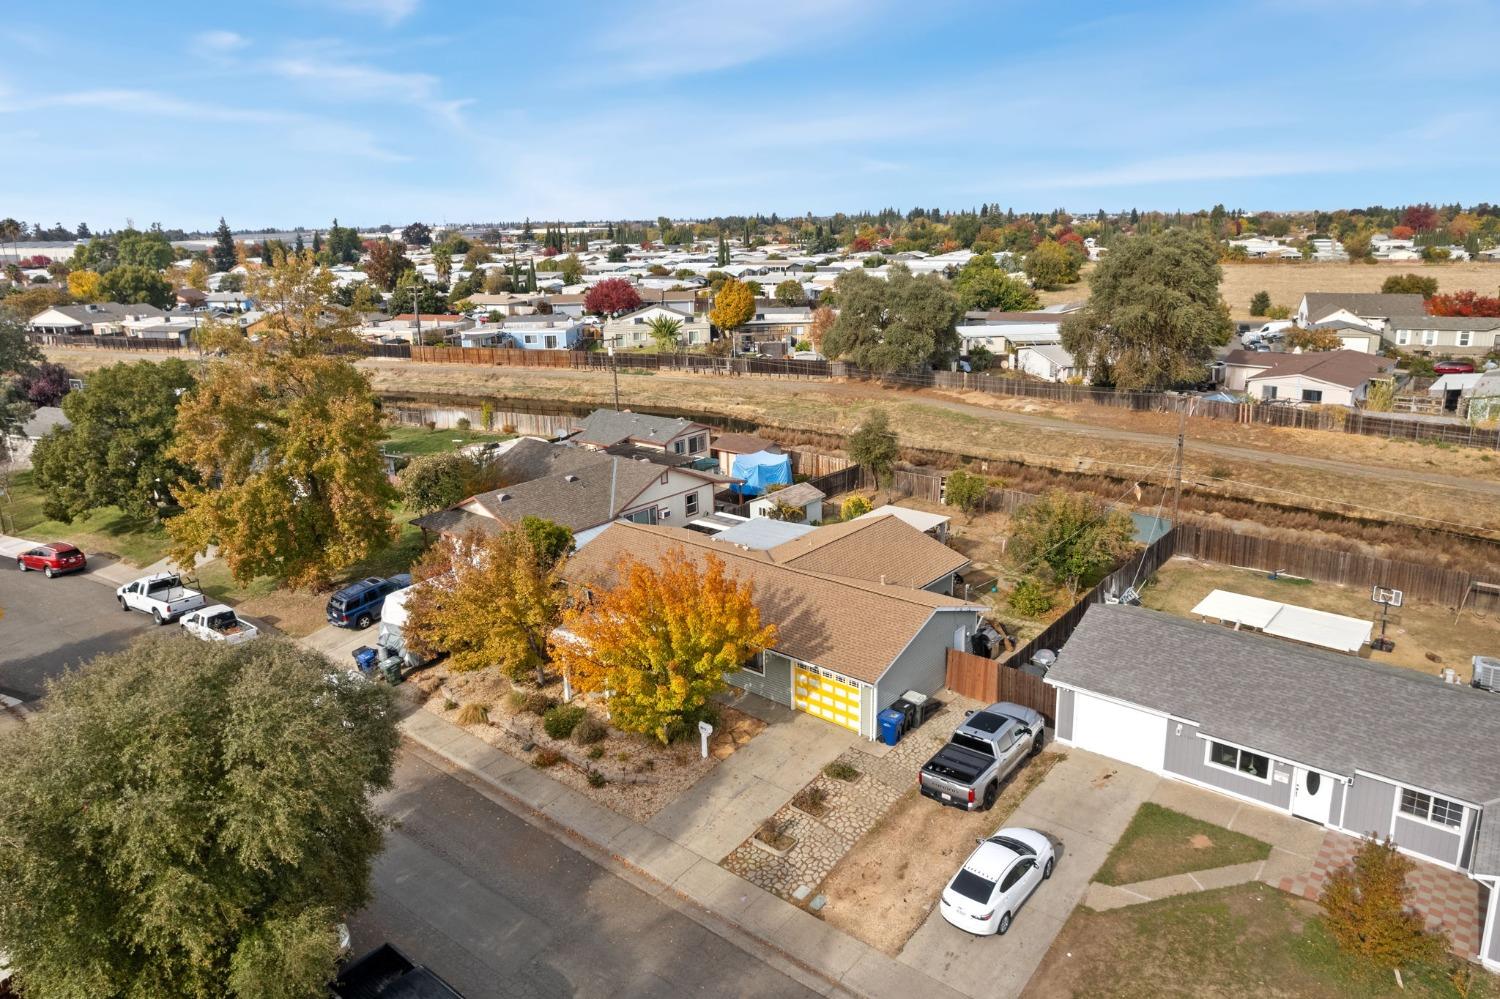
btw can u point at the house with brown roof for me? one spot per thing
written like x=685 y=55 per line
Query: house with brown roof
x=726 y=447
x=801 y=496
x=845 y=647
x=1338 y=377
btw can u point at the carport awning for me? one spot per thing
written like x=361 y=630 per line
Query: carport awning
x=1300 y=624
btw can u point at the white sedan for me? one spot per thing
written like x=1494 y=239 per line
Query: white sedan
x=998 y=877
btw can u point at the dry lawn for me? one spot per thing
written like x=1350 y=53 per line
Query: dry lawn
x=1288 y=282
x=1427 y=637
x=889 y=882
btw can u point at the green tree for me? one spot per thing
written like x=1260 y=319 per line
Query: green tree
x=144 y=249
x=223 y=254
x=966 y=491
x=571 y=269
x=191 y=819
x=1260 y=303
x=442 y=263
x=721 y=256
x=417 y=234
x=552 y=541
x=900 y=324
x=1154 y=316
x=1367 y=909
x=875 y=445
x=1051 y=265
x=1410 y=284
x=114 y=452
x=131 y=284
x=1071 y=535
x=665 y=332
x=982 y=285
x=343 y=245
x=790 y=292
x=18 y=355
x=414 y=293
x=437 y=481
x=616 y=255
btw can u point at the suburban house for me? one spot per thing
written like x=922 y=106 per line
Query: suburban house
x=773 y=323
x=883 y=549
x=403 y=328
x=1359 y=747
x=1050 y=362
x=633 y=328
x=581 y=489
x=681 y=299
x=1006 y=332
x=1339 y=377
x=22 y=441
x=727 y=447
x=606 y=428
x=803 y=496
x=527 y=332
x=1375 y=310
x=1354 y=335
x=845 y=648
x=932 y=524
x=82 y=320
x=1466 y=336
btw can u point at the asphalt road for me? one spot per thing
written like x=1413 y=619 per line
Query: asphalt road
x=51 y=624
x=501 y=909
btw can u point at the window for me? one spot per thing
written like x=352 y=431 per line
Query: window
x=677 y=447
x=1239 y=760
x=646 y=516
x=1463 y=338
x=1403 y=337
x=551 y=341
x=1430 y=808
x=757 y=665
x=1268 y=392
x=1312 y=395
x=1015 y=875
x=531 y=338
x=690 y=504
x=1429 y=337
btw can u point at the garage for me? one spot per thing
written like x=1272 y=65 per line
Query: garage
x=819 y=693
x=1110 y=728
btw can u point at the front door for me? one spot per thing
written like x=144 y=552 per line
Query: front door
x=1312 y=795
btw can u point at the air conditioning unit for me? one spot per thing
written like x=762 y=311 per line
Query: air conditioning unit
x=1487 y=673
x=665 y=514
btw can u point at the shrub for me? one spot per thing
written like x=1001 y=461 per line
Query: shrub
x=966 y=491
x=463 y=424
x=1029 y=598
x=449 y=704
x=588 y=731
x=595 y=778
x=811 y=799
x=1260 y=303
x=508 y=428
x=546 y=758
x=854 y=506
x=474 y=713
x=1367 y=910
x=535 y=702
x=595 y=752
x=487 y=415
x=560 y=721
x=840 y=770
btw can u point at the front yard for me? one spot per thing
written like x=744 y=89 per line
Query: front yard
x=106 y=531
x=1160 y=842
x=1427 y=636
x=1247 y=940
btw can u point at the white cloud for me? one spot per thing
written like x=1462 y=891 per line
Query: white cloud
x=357 y=82
x=220 y=41
x=391 y=12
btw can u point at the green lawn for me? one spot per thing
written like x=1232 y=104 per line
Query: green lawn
x=415 y=441
x=1248 y=940
x=103 y=532
x=1159 y=842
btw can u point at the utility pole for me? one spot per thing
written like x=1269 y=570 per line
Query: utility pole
x=1181 y=438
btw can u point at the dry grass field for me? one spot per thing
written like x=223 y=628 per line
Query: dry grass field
x=1287 y=282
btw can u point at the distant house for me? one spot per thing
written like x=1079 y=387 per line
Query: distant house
x=1340 y=377
x=633 y=328
x=1007 y=332
x=1462 y=336
x=190 y=298
x=1374 y=309
x=604 y=428
x=404 y=327
x=526 y=332
x=227 y=301
x=85 y=320
x=1049 y=362
x=727 y=447
x=21 y=443
x=802 y=496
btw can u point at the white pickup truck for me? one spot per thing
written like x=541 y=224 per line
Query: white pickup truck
x=218 y=624
x=162 y=596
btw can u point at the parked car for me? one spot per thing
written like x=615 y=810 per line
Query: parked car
x=997 y=879
x=218 y=624
x=1453 y=367
x=982 y=752
x=52 y=560
x=385 y=971
x=358 y=604
x=162 y=596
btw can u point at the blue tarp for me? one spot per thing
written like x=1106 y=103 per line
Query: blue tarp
x=761 y=471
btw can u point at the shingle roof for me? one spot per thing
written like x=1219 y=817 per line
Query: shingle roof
x=850 y=626
x=1350 y=368
x=798 y=494
x=1334 y=712
x=1486 y=859
x=104 y=312
x=604 y=427
x=871 y=549
x=742 y=444
x=1456 y=323
x=1321 y=303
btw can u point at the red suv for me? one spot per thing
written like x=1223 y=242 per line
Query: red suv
x=1453 y=367
x=54 y=559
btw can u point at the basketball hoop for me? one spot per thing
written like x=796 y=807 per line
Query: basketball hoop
x=1386 y=597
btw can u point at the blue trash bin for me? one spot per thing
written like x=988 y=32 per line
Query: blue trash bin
x=890 y=726
x=364 y=659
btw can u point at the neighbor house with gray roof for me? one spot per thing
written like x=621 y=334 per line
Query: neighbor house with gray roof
x=1456 y=336
x=1367 y=749
x=605 y=428
x=1373 y=309
x=90 y=318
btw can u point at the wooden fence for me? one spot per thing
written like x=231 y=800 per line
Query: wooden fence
x=493 y=356
x=988 y=681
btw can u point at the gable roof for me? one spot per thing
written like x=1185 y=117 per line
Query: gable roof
x=1335 y=712
x=878 y=548
x=798 y=494
x=1349 y=368
x=1456 y=323
x=1364 y=304
x=101 y=312
x=604 y=427
x=742 y=444
x=850 y=626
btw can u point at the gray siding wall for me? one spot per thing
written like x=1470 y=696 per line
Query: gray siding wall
x=1467 y=856
x=1337 y=802
x=1064 y=714
x=1494 y=926
x=776 y=685
x=1429 y=841
x=1369 y=808
x=923 y=666
x=1185 y=757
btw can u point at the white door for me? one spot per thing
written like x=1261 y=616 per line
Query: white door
x=1312 y=795
x=1120 y=732
x=961 y=638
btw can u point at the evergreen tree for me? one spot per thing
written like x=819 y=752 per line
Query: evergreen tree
x=83 y=230
x=722 y=259
x=224 y=257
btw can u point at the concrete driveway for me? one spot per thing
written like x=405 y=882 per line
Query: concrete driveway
x=1083 y=805
x=338 y=644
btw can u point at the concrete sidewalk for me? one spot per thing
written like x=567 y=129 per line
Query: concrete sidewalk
x=106 y=569
x=845 y=964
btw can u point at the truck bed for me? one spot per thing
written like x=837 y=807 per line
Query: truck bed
x=958 y=765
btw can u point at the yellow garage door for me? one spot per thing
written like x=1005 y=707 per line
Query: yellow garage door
x=829 y=699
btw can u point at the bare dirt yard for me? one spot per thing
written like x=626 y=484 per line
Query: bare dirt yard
x=888 y=883
x=624 y=771
x=1427 y=636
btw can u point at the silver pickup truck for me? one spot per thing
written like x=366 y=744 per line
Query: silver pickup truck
x=982 y=752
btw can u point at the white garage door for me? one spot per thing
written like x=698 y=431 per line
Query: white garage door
x=1123 y=733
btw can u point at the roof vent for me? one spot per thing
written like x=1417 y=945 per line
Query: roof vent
x=882 y=579
x=502 y=497
x=570 y=478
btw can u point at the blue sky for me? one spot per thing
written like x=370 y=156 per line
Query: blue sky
x=283 y=112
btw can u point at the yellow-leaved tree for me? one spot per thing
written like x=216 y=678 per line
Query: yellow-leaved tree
x=84 y=285
x=660 y=641
x=734 y=305
x=487 y=600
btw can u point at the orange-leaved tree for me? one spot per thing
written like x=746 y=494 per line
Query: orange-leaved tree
x=661 y=639
x=486 y=600
x=734 y=305
x=1366 y=909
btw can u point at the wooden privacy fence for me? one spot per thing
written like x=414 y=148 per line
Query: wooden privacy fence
x=988 y=681
x=491 y=356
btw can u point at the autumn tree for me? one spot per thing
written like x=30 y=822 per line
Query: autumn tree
x=1298 y=338
x=386 y=264
x=1410 y=284
x=665 y=332
x=875 y=446
x=660 y=640
x=1070 y=535
x=1463 y=303
x=982 y=285
x=46 y=384
x=823 y=319
x=900 y=324
x=197 y=276
x=1367 y=909
x=191 y=819
x=611 y=297
x=1051 y=265
x=734 y=305
x=84 y=285
x=1154 y=317
x=487 y=599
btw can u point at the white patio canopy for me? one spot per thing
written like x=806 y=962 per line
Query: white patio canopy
x=1300 y=624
